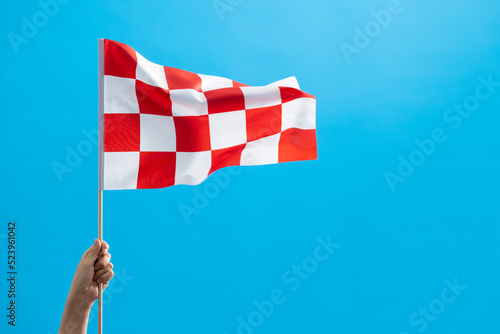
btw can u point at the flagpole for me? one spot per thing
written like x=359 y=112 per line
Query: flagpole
x=99 y=302
x=100 y=163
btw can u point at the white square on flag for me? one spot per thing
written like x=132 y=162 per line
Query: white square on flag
x=157 y=133
x=227 y=129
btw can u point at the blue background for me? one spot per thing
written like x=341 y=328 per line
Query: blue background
x=398 y=245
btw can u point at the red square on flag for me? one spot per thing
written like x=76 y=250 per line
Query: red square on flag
x=153 y=100
x=120 y=60
x=150 y=176
x=122 y=132
x=288 y=94
x=225 y=99
x=226 y=157
x=192 y=133
x=180 y=79
x=262 y=122
x=297 y=144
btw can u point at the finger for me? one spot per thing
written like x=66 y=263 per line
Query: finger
x=106 y=277
x=88 y=250
x=104 y=247
x=91 y=254
x=102 y=262
x=102 y=271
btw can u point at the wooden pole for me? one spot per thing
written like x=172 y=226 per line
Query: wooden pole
x=100 y=162
x=99 y=302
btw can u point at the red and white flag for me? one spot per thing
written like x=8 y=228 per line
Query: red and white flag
x=164 y=126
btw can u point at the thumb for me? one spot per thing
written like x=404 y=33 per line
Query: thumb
x=92 y=253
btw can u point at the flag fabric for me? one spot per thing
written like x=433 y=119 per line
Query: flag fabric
x=161 y=126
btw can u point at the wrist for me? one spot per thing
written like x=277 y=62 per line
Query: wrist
x=79 y=302
x=76 y=314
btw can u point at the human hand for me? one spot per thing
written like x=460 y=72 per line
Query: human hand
x=94 y=268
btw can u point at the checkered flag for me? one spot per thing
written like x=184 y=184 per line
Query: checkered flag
x=164 y=126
